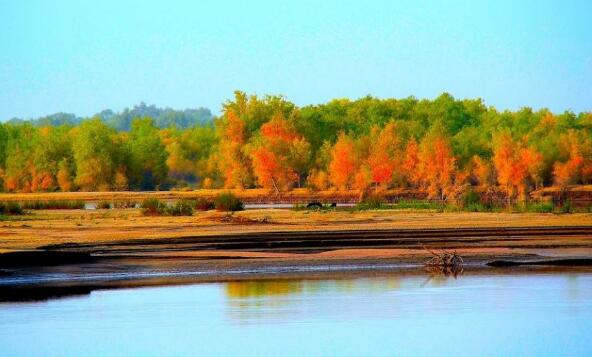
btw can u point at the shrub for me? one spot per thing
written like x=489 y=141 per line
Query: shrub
x=470 y=198
x=227 y=201
x=153 y=207
x=566 y=207
x=540 y=207
x=103 y=205
x=203 y=204
x=11 y=208
x=371 y=202
x=180 y=208
x=57 y=204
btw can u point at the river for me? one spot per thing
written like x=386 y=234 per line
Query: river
x=391 y=315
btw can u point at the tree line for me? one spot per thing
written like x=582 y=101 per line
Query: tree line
x=121 y=121
x=440 y=146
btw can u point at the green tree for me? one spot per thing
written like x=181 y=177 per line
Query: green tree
x=98 y=153
x=148 y=156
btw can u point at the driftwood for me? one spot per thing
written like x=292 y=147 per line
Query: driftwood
x=444 y=263
x=445 y=259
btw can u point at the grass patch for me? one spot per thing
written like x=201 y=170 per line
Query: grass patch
x=227 y=201
x=540 y=207
x=546 y=207
x=415 y=205
x=10 y=209
x=419 y=205
x=371 y=202
x=155 y=207
x=180 y=208
x=57 y=204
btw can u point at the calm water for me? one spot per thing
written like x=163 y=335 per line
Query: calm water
x=526 y=315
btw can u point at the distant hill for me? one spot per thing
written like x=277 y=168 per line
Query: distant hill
x=53 y=119
x=121 y=121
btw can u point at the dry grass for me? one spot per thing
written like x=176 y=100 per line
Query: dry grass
x=69 y=226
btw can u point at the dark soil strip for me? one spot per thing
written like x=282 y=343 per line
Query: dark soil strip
x=42 y=258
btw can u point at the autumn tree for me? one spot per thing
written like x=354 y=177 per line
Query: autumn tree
x=279 y=155
x=3 y=142
x=516 y=165
x=318 y=177
x=437 y=165
x=233 y=163
x=300 y=158
x=249 y=146
x=384 y=154
x=343 y=163
x=482 y=171
x=64 y=176
x=577 y=165
x=410 y=166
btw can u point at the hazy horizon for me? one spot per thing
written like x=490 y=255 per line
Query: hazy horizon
x=83 y=57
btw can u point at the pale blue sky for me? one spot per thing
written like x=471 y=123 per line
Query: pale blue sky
x=84 y=56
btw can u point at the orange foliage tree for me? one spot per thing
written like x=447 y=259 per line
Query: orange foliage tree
x=343 y=163
x=383 y=154
x=233 y=164
x=279 y=155
x=64 y=176
x=410 y=166
x=516 y=165
x=482 y=171
x=437 y=166
x=578 y=166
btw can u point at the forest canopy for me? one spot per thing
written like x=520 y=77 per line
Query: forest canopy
x=267 y=141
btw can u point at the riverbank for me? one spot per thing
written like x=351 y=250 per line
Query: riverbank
x=41 y=228
x=49 y=249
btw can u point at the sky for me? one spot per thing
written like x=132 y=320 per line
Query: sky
x=85 y=56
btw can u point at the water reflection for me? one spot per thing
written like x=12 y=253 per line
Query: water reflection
x=498 y=315
x=396 y=296
x=247 y=289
